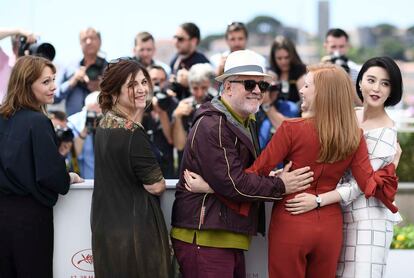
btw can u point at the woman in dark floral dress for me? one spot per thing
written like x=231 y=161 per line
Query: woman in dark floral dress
x=129 y=235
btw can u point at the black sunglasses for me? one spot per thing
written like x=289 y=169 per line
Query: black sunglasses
x=249 y=85
x=236 y=23
x=117 y=60
x=180 y=39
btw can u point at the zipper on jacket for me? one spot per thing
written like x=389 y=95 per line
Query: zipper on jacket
x=202 y=211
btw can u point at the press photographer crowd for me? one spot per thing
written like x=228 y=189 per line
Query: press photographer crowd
x=132 y=122
x=178 y=89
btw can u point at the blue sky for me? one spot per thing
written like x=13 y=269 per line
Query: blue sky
x=59 y=22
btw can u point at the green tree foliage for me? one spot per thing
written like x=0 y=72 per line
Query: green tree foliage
x=264 y=25
x=205 y=43
x=361 y=54
x=410 y=31
x=392 y=47
x=403 y=237
x=260 y=26
x=405 y=170
x=384 y=30
x=262 y=30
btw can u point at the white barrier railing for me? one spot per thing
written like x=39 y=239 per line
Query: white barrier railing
x=72 y=246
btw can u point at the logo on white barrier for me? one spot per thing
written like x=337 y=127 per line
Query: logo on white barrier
x=83 y=260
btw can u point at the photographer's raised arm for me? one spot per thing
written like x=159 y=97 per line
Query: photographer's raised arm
x=166 y=126
x=8 y=32
x=275 y=117
x=179 y=135
x=79 y=140
x=79 y=76
x=164 y=120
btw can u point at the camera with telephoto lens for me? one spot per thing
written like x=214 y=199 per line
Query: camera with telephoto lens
x=341 y=60
x=63 y=134
x=95 y=70
x=92 y=121
x=45 y=50
x=274 y=88
x=164 y=100
x=181 y=91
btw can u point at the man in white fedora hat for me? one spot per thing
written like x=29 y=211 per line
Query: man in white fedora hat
x=212 y=229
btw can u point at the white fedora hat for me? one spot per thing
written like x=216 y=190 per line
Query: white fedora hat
x=244 y=62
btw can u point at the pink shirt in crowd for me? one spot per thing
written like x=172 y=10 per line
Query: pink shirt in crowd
x=5 y=71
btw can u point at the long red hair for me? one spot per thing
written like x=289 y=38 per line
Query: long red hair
x=335 y=119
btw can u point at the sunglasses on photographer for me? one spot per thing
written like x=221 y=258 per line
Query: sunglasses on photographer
x=249 y=85
x=116 y=61
x=180 y=39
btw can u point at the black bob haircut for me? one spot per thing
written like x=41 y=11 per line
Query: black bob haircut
x=394 y=74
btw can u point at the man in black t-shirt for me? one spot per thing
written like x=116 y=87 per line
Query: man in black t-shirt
x=186 y=40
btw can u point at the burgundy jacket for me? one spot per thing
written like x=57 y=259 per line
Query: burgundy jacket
x=219 y=149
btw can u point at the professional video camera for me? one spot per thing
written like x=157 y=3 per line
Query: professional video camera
x=63 y=134
x=45 y=49
x=92 y=121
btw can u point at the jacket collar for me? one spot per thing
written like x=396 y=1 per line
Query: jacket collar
x=243 y=134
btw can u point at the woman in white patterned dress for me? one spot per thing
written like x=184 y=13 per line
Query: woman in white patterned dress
x=368 y=224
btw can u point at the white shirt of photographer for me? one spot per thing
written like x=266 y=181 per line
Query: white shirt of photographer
x=86 y=159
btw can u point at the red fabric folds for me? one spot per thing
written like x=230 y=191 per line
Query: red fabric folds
x=241 y=208
x=383 y=186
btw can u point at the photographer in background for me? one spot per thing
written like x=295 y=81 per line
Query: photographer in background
x=186 y=39
x=42 y=49
x=82 y=78
x=144 y=51
x=65 y=138
x=273 y=111
x=83 y=125
x=236 y=37
x=200 y=78
x=156 y=119
x=63 y=133
x=7 y=61
x=336 y=46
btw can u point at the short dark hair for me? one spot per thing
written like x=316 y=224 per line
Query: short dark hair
x=157 y=67
x=143 y=37
x=337 y=33
x=235 y=27
x=192 y=30
x=114 y=77
x=59 y=115
x=393 y=72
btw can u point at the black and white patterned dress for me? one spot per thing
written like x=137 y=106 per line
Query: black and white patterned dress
x=368 y=224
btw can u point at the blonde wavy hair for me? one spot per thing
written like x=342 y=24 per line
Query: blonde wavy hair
x=334 y=115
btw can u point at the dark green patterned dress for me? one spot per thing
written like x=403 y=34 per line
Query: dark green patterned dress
x=129 y=235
